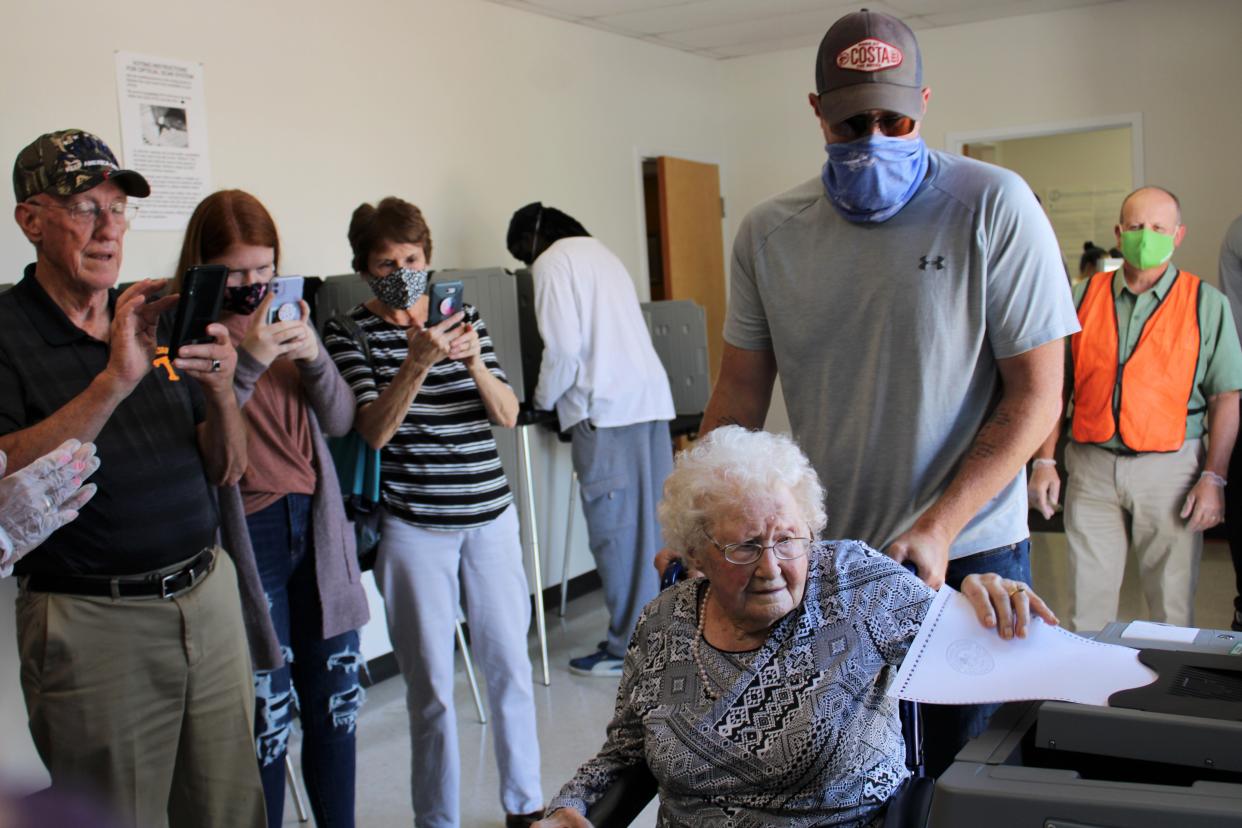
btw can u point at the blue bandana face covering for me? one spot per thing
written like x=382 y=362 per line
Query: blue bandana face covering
x=872 y=178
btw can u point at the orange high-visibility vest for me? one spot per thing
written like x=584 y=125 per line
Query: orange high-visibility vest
x=1157 y=379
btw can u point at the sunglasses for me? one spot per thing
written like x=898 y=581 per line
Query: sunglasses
x=892 y=125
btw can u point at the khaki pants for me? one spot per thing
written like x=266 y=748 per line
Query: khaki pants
x=1113 y=502
x=148 y=703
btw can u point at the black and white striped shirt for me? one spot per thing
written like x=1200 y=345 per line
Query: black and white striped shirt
x=441 y=469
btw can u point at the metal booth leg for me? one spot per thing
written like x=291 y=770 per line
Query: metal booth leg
x=569 y=538
x=474 y=683
x=532 y=529
x=296 y=787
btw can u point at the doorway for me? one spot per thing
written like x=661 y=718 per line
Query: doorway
x=1081 y=171
x=684 y=215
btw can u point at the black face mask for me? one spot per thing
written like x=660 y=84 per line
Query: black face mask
x=244 y=299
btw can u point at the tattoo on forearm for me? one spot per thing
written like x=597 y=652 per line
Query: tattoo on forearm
x=987 y=443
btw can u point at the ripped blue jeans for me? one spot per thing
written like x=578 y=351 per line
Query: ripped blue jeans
x=319 y=682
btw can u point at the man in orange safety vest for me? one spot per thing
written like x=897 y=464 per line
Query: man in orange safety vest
x=1154 y=375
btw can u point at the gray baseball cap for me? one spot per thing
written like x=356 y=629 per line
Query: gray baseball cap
x=869 y=60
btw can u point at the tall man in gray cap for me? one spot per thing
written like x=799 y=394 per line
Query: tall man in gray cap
x=912 y=303
x=134 y=662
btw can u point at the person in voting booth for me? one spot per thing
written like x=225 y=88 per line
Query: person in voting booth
x=600 y=373
x=756 y=694
x=284 y=521
x=134 y=663
x=427 y=398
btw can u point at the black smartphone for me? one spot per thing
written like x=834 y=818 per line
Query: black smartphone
x=202 y=293
x=445 y=301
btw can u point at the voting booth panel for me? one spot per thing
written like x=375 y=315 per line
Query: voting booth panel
x=678 y=330
x=506 y=301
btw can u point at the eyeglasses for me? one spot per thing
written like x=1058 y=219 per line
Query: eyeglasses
x=88 y=212
x=891 y=124
x=747 y=552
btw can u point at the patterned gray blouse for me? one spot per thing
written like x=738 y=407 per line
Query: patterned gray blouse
x=802 y=733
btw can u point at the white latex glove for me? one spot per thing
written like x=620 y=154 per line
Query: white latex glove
x=1043 y=489
x=44 y=496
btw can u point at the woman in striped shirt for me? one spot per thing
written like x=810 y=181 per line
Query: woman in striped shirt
x=427 y=397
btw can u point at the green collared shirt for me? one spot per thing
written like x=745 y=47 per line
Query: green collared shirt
x=1220 y=356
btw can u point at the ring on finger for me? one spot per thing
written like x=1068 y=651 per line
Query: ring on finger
x=48 y=505
x=1016 y=589
x=215 y=365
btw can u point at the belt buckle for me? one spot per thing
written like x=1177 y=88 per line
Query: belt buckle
x=193 y=573
x=165 y=591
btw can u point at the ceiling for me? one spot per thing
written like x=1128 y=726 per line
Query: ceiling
x=734 y=28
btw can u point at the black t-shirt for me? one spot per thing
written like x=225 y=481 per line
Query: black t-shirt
x=154 y=506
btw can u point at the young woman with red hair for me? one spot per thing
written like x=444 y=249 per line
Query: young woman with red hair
x=285 y=522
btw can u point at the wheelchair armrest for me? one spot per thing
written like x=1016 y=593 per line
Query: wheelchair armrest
x=911 y=805
x=625 y=799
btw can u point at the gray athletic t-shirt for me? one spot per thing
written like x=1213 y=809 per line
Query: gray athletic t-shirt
x=886 y=336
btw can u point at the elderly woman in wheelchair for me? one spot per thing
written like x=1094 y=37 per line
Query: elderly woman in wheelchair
x=756 y=693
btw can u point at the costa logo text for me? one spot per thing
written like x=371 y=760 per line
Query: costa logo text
x=869 y=55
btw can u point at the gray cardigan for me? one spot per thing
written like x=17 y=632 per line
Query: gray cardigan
x=341 y=596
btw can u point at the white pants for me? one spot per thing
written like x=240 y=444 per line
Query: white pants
x=1113 y=502
x=418 y=572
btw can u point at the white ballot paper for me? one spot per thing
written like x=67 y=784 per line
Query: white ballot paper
x=956 y=660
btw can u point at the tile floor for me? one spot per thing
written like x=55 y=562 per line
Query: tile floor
x=573 y=711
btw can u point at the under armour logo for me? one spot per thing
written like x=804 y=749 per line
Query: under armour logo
x=931 y=261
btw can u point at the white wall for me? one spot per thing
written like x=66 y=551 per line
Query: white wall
x=467 y=108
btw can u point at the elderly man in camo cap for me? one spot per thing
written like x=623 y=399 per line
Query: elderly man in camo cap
x=134 y=662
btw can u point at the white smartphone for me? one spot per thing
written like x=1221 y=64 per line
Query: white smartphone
x=286 y=296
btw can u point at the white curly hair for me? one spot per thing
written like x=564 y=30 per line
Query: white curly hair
x=723 y=467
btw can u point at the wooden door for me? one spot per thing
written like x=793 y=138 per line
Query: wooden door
x=692 y=243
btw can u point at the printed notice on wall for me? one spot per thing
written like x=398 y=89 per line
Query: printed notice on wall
x=164 y=136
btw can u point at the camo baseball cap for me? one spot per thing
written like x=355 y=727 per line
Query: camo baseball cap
x=869 y=60
x=68 y=162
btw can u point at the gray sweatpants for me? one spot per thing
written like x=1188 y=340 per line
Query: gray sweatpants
x=621 y=473
x=420 y=573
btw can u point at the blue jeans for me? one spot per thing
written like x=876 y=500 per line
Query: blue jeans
x=319 y=680
x=947 y=727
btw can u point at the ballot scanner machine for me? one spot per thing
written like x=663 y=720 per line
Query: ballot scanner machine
x=1172 y=759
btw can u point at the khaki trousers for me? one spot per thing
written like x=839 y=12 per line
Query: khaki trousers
x=147 y=703
x=1115 y=502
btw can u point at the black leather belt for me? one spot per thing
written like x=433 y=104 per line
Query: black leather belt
x=164 y=583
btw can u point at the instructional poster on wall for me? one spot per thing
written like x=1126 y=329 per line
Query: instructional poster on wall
x=164 y=136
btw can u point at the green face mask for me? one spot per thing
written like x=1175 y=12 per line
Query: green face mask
x=1145 y=248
